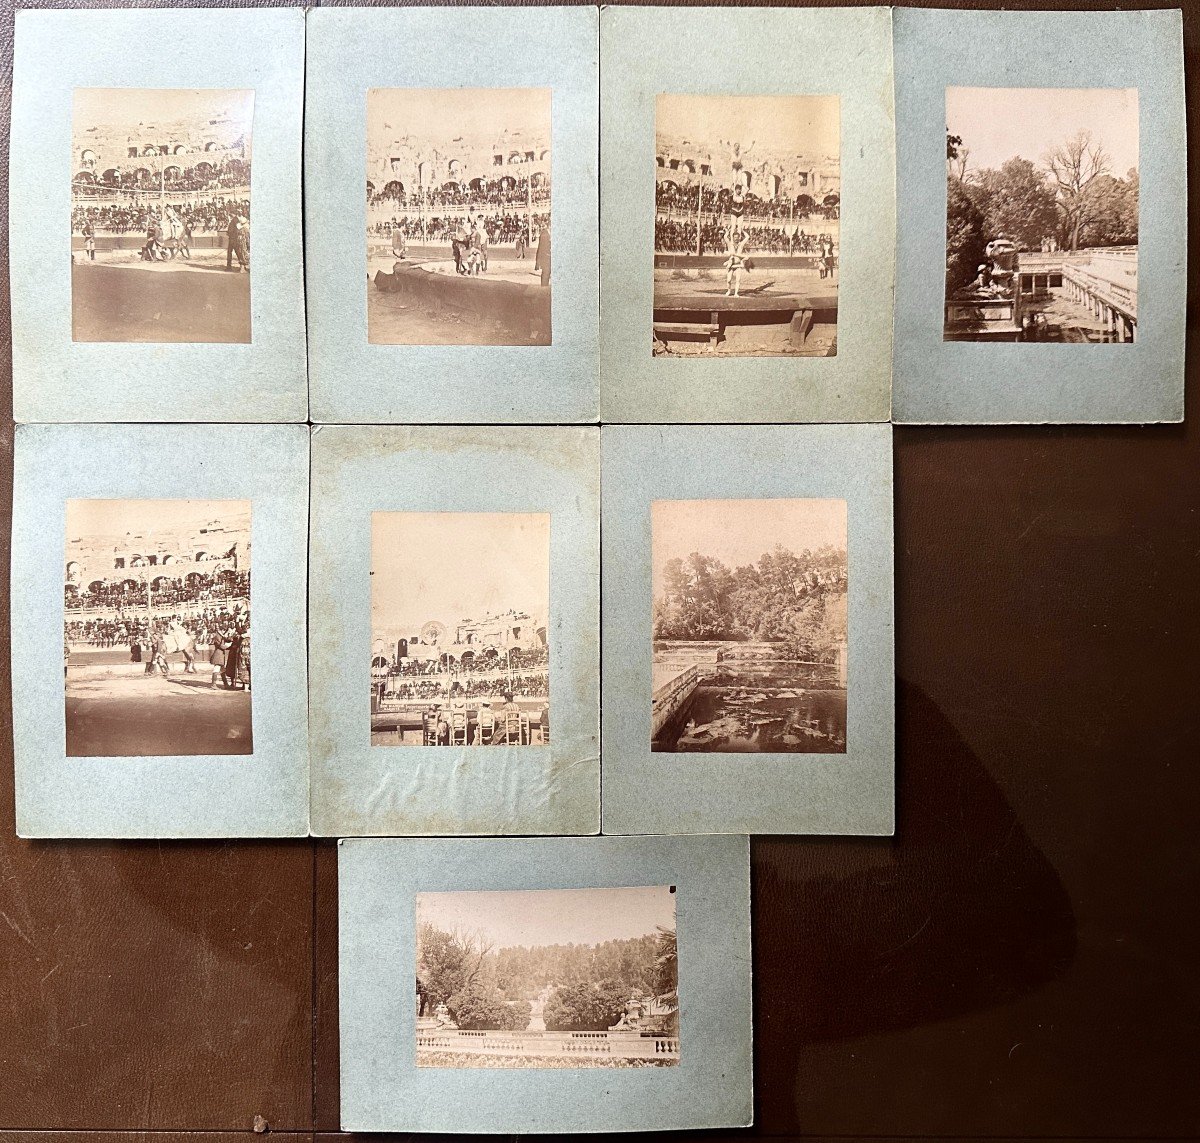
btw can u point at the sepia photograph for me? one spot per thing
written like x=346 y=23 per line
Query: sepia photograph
x=156 y=635
x=750 y=626
x=1041 y=214
x=160 y=215
x=460 y=651
x=458 y=216
x=747 y=204
x=547 y=978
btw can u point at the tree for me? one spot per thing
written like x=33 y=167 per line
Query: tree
x=477 y=1006
x=1017 y=202
x=957 y=165
x=1075 y=165
x=666 y=979
x=474 y=1006
x=694 y=599
x=666 y=966
x=516 y=1016
x=448 y=961
x=782 y=598
x=1113 y=212
x=966 y=239
x=584 y=1007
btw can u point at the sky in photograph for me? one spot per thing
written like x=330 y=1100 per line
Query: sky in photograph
x=149 y=518
x=552 y=916
x=132 y=107
x=447 y=113
x=998 y=123
x=738 y=532
x=802 y=124
x=451 y=566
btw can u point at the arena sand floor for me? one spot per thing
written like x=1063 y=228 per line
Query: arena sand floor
x=113 y=708
x=121 y=298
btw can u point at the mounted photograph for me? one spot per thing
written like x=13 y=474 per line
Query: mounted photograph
x=749 y=626
x=156 y=628
x=747 y=205
x=460 y=652
x=160 y=215
x=458 y=216
x=547 y=978
x=1042 y=190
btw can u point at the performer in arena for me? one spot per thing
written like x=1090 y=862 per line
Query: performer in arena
x=153 y=251
x=458 y=247
x=237 y=241
x=827 y=256
x=479 y=245
x=542 y=259
x=89 y=240
x=243 y=249
x=737 y=263
x=231 y=240
x=737 y=208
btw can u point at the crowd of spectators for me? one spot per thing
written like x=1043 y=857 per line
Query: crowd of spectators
x=493 y=197
x=679 y=237
x=202 y=215
x=518 y=659
x=128 y=630
x=499 y=227
x=524 y=672
x=196 y=589
x=203 y=178
x=419 y=689
x=669 y=199
x=673 y=237
x=535 y=685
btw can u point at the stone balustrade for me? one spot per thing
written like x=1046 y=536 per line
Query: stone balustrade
x=672 y=687
x=623 y=1044
x=1109 y=298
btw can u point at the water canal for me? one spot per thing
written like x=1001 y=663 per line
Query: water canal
x=776 y=706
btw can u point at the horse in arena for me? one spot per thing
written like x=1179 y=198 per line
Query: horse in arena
x=180 y=243
x=177 y=639
x=177 y=236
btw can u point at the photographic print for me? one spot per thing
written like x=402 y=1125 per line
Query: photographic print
x=746 y=225
x=1041 y=214
x=458 y=216
x=750 y=626
x=156 y=634
x=547 y=978
x=160 y=215
x=460 y=626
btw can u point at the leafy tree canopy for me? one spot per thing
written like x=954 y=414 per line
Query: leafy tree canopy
x=459 y=967
x=585 y=1007
x=795 y=598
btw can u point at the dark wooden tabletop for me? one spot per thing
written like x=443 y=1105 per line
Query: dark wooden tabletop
x=1020 y=962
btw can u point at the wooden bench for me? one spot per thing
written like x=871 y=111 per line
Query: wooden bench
x=710 y=329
